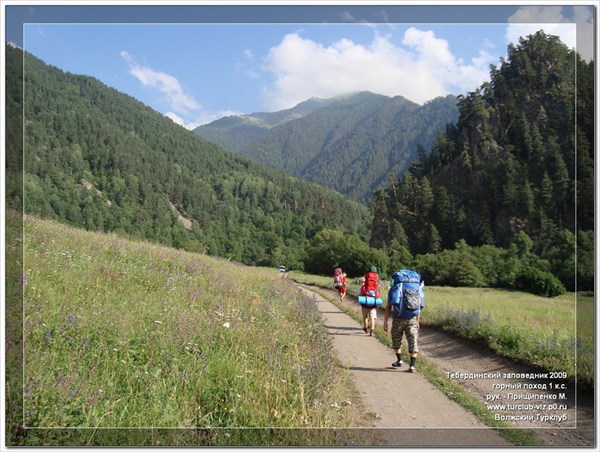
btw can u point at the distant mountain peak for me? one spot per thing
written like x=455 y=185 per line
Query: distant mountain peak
x=327 y=141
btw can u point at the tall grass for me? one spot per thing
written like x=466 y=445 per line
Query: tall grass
x=127 y=334
x=13 y=324
x=554 y=334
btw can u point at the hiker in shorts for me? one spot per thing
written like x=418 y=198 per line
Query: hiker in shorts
x=369 y=318
x=406 y=322
x=370 y=287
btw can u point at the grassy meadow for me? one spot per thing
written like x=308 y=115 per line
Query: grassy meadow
x=13 y=311
x=553 y=333
x=163 y=347
x=556 y=334
x=121 y=334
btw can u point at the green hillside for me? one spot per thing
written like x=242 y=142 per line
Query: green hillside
x=99 y=159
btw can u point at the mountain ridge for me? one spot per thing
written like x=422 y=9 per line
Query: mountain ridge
x=224 y=131
x=354 y=129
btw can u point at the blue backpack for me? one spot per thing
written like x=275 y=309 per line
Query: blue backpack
x=407 y=288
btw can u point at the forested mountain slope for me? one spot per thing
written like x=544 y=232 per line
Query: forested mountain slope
x=350 y=144
x=99 y=159
x=518 y=163
x=235 y=132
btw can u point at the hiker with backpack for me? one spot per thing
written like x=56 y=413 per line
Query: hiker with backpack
x=339 y=282
x=406 y=300
x=370 y=291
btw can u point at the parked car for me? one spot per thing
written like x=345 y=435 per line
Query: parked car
x=282 y=268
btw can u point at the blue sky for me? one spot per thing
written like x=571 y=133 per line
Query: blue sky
x=198 y=71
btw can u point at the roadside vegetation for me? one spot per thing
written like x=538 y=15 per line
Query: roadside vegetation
x=13 y=326
x=121 y=334
x=554 y=334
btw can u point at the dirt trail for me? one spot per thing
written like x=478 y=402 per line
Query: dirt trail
x=417 y=403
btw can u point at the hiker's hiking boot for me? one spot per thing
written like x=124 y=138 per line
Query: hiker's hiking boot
x=397 y=364
x=365 y=329
x=370 y=331
x=412 y=369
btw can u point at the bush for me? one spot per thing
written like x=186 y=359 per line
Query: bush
x=487 y=266
x=399 y=256
x=432 y=269
x=466 y=273
x=531 y=279
x=585 y=260
x=329 y=249
x=450 y=268
x=491 y=262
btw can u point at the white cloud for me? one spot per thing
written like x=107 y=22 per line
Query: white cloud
x=242 y=68
x=168 y=85
x=422 y=69
x=176 y=119
x=203 y=118
x=346 y=16
x=186 y=111
x=553 y=21
x=585 y=32
x=530 y=19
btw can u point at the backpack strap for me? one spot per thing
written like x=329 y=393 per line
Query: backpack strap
x=400 y=293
